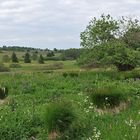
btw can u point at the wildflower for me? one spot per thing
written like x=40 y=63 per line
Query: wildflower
x=106 y=98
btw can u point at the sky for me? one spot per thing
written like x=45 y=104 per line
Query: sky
x=55 y=23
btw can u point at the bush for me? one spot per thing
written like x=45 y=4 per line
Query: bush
x=59 y=116
x=3 y=92
x=15 y=65
x=3 y=68
x=65 y=74
x=71 y=74
x=107 y=97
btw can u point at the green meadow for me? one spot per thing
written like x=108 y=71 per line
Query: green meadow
x=60 y=100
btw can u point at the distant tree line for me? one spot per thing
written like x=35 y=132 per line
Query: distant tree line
x=18 y=48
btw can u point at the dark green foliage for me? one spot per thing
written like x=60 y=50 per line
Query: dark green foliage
x=14 y=58
x=3 y=92
x=65 y=74
x=27 y=58
x=15 y=65
x=107 y=97
x=50 y=54
x=41 y=59
x=70 y=74
x=59 y=116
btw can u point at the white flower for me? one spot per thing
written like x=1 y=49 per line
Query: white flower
x=106 y=98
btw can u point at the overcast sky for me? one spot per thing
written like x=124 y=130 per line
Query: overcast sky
x=55 y=23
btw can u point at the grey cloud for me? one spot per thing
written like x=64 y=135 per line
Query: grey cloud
x=55 y=23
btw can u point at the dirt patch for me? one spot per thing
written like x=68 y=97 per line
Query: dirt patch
x=53 y=135
x=115 y=110
x=3 y=102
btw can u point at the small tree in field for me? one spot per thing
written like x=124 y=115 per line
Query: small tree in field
x=14 y=58
x=41 y=59
x=27 y=58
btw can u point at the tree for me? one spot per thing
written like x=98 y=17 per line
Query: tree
x=99 y=31
x=111 y=42
x=132 y=38
x=27 y=58
x=14 y=58
x=50 y=54
x=41 y=59
x=55 y=50
x=130 y=32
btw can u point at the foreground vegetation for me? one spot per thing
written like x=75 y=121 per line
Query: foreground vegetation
x=66 y=105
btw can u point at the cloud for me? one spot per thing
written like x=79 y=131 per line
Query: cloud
x=55 y=23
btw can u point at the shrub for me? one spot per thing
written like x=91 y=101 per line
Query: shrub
x=71 y=74
x=65 y=74
x=107 y=97
x=59 y=116
x=15 y=65
x=3 y=68
x=3 y=92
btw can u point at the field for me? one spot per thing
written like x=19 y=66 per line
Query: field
x=58 y=100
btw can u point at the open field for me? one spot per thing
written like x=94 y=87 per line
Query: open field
x=35 y=90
